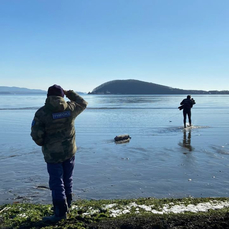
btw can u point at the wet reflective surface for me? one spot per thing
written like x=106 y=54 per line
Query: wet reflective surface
x=161 y=160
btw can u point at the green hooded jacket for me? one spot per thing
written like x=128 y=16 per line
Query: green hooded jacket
x=53 y=126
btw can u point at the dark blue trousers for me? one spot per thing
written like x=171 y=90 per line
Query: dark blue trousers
x=185 y=113
x=61 y=178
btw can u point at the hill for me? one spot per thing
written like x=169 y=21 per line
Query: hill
x=141 y=87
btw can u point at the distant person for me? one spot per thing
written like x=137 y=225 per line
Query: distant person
x=187 y=105
x=53 y=128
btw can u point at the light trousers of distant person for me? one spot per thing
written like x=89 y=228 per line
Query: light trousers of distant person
x=61 y=178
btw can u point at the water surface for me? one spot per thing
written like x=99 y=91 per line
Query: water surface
x=161 y=160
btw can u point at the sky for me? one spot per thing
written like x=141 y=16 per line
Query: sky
x=81 y=44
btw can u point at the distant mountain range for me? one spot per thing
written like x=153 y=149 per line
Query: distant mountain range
x=21 y=91
x=141 y=87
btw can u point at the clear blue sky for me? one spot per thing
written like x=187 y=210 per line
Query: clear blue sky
x=81 y=44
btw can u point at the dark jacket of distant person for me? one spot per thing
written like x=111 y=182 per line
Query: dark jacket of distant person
x=187 y=104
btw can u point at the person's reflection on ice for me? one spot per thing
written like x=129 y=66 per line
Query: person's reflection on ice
x=187 y=140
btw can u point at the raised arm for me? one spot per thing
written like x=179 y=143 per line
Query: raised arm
x=77 y=103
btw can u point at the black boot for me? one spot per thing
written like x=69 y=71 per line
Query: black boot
x=60 y=211
x=69 y=201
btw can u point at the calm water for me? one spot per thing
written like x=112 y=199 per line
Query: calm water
x=161 y=160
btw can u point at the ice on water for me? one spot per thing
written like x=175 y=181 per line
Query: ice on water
x=161 y=160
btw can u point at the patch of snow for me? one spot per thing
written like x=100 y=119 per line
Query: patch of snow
x=23 y=215
x=108 y=206
x=145 y=207
x=75 y=207
x=178 y=208
x=115 y=213
x=165 y=209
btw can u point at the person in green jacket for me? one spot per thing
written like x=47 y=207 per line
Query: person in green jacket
x=53 y=129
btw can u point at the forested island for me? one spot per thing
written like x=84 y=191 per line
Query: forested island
x=141 y=87
x=119 y=87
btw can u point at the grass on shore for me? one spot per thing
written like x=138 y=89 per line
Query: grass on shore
x=133 y=213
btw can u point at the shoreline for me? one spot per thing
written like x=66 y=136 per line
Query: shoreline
x=137 y=213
